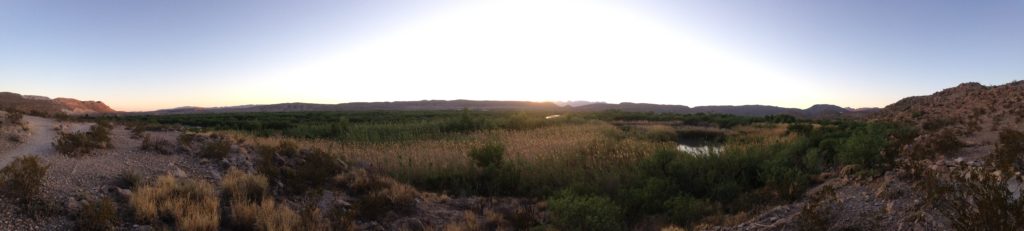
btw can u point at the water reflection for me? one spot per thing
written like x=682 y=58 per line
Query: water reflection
x=700 y=150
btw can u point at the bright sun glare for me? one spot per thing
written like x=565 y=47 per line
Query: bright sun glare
x=518 y=50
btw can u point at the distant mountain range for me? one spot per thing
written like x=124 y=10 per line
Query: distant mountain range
x=30 y=103
x=814 y=112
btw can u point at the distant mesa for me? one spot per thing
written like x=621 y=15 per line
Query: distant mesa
x=42 y=104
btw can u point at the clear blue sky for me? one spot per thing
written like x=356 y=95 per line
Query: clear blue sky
x=143 y=55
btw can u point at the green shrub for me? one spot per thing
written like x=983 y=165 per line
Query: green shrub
x=489 y=155
x=23 y=178
x=684 y=210
x=581 y=212
x=864 y=148
x=216 y=149
x=98 y=215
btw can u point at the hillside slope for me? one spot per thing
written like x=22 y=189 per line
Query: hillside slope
x=27 y=103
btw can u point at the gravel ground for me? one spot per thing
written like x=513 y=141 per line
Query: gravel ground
x=78 y=179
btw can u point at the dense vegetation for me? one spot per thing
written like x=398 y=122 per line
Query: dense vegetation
x=353 y=126
x=594 y=175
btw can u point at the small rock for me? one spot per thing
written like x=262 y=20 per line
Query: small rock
x=124 y=193
x=73 y=205
x=177 y=172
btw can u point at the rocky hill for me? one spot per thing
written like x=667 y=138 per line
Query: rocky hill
x=28 y=103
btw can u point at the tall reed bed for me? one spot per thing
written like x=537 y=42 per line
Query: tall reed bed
x=548 y=157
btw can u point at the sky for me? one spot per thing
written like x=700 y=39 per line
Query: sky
x=149 y=54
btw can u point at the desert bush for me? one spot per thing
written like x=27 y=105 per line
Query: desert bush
x=466 y=122
x=240 y=186
x=800 y=128
x=873 y=146
x=394 y=197
x=216 y=149
x=317 y=168
x=263 y=216
x=684 y=210
x=13 y=118
x=128 y=179
x=78 y=144
x=489 y=155
x=1009 y=153
x=161 y=146
x=980 y=203
x=185 y=139
x=23 y=178
x=189 y=204
x=99 y=134
x=582 y=212
x=98 y=215
x=298 y=170
x=73 y=144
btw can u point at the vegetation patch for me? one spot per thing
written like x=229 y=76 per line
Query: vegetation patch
x=187 y=204
x=78 y=143
x=23 y=178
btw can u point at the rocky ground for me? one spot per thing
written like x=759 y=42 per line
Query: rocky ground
x=72 y=182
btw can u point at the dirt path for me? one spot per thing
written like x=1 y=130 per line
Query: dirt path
x=39 y=141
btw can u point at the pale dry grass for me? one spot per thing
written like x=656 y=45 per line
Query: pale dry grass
x=264 y=216
x=239 y=185
x=192 y=204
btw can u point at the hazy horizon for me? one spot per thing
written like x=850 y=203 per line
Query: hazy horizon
x=140 y=56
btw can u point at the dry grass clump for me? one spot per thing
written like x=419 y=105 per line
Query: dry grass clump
x=251 y=209
x=264 y=216
x=240 y=186
x=190 y=204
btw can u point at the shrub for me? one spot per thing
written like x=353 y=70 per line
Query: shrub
x=981 y=203
x=159 y=145
x=13 y=118
x=128 y=179
x=78 y=144
x=99 y=135
x=1008 y=155
x=23 y=178
x=98 y=215
x=216 y=149
x=185 y=139
x=73 y=144
x=240 y=186
x=264 y=216
x=394 y=197
x=864 y=148
x=189 y=204
x=489 y=155
x=313 y=172
x=684 y=210
x=581 y=212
